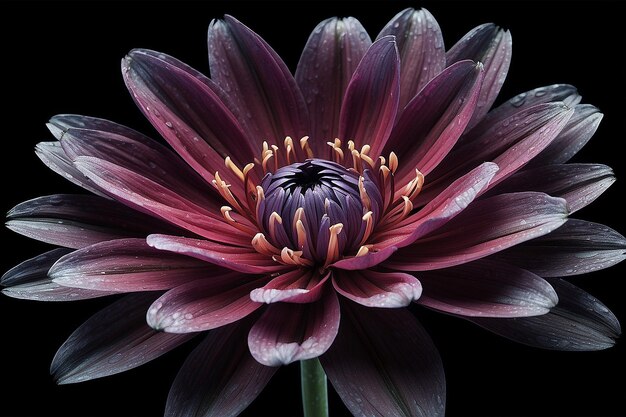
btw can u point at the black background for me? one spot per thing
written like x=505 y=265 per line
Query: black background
x=65 y=58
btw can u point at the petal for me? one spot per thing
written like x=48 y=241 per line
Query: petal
x=297 y=286
x=420 y=45
x=487 y=288
x=328 y=61
x=206 y=304
x=370 y=104
x=268 y=102
x=485 y=227
x=241 y=259
x=384 y=364
x=128 y=265
x=75 y=221
x=219 y=378
x=578 y=323
x=288 y=332
x=113 y=340
x=377 y=289
x=578 y=184
x=366 y=261
x=577 y=247
x=29 y=281
x=143 y=194
x=433 y=121
x=491 y=46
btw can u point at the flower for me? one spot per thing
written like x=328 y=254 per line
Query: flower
x=260 y=252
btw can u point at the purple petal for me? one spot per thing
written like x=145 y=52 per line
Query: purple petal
x=217 y=300
x=492 y=46
x=291 y=332
x=377 y=289
x=433 y=121
x=370 y=104
x=29 y=281
x=420 y=46
x=241 y=259
x=113 y=340
x=485 y=227
x=297 y=286
x=128 y=265
x=578 y=323
x=219 y=378
x=328 y=61
x=383 y=363
x=487 y=288
x=268 y=102
x=577 y=247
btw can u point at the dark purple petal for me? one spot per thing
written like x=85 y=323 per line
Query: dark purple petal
x=328 y=61
x=486 y=288
x=369 y=108
x=29 y=281
x=578 y=323
x=288 y=332
x=384 y=364
x=297 y=286
x=577 y=247
x=492 y=46
x=433 y=121
x=217 y=300
x=420 y=45
x=113 y=340
x=219 y=378
x=377 y=289
x=128 y=265
x=484 y=228
x=267 y=100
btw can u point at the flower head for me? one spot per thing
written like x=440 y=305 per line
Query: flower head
x=292 y=217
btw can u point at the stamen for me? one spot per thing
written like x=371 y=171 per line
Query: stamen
x=413 y=188
x=363 y=250
x=274 y=218
x=365 y=199
x=356 y=160
x=336 y=145
x=304 y=144
x=288 y=143
x=369 y=226
x=262 y=245
x=393 y=162
x=291 y=257
x=332 y=253
x=223 y=189
x=231 y=165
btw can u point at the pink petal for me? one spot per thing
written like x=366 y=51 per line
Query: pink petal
x=486 y=288
x=420 y=45
x=215 y=301
x=29 y=281
x=219 y=378
x=366 y=261
x=128 y=265
x=297 y=286
x=433 y=121
x=491 y=46
x=377 y=289
x=291 y=332
x=383 y=363
x=328 y=61
x=484 y=228
x=268 y=102
x=113 y=340
x=370 y=104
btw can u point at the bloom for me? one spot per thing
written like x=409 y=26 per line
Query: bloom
x=327 y=219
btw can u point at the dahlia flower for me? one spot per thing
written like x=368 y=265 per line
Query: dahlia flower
x=294 y=217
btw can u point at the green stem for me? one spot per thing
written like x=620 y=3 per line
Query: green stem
x=314 y=390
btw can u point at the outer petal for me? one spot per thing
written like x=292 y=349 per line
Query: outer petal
x=486 y=227
x=420 y=45
x=267 y=100
x=114 y=340
x=197 y=306
x=370 y=104
x=492 y=46
x=383 y=364
x=291 y=332
x=297 y=286
x=377 y=289
x=487 y=289
x=577 y=247
x=578 y=322
x=128 y=265
x=328 y=61
x=219 y=378
x=29 y=280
